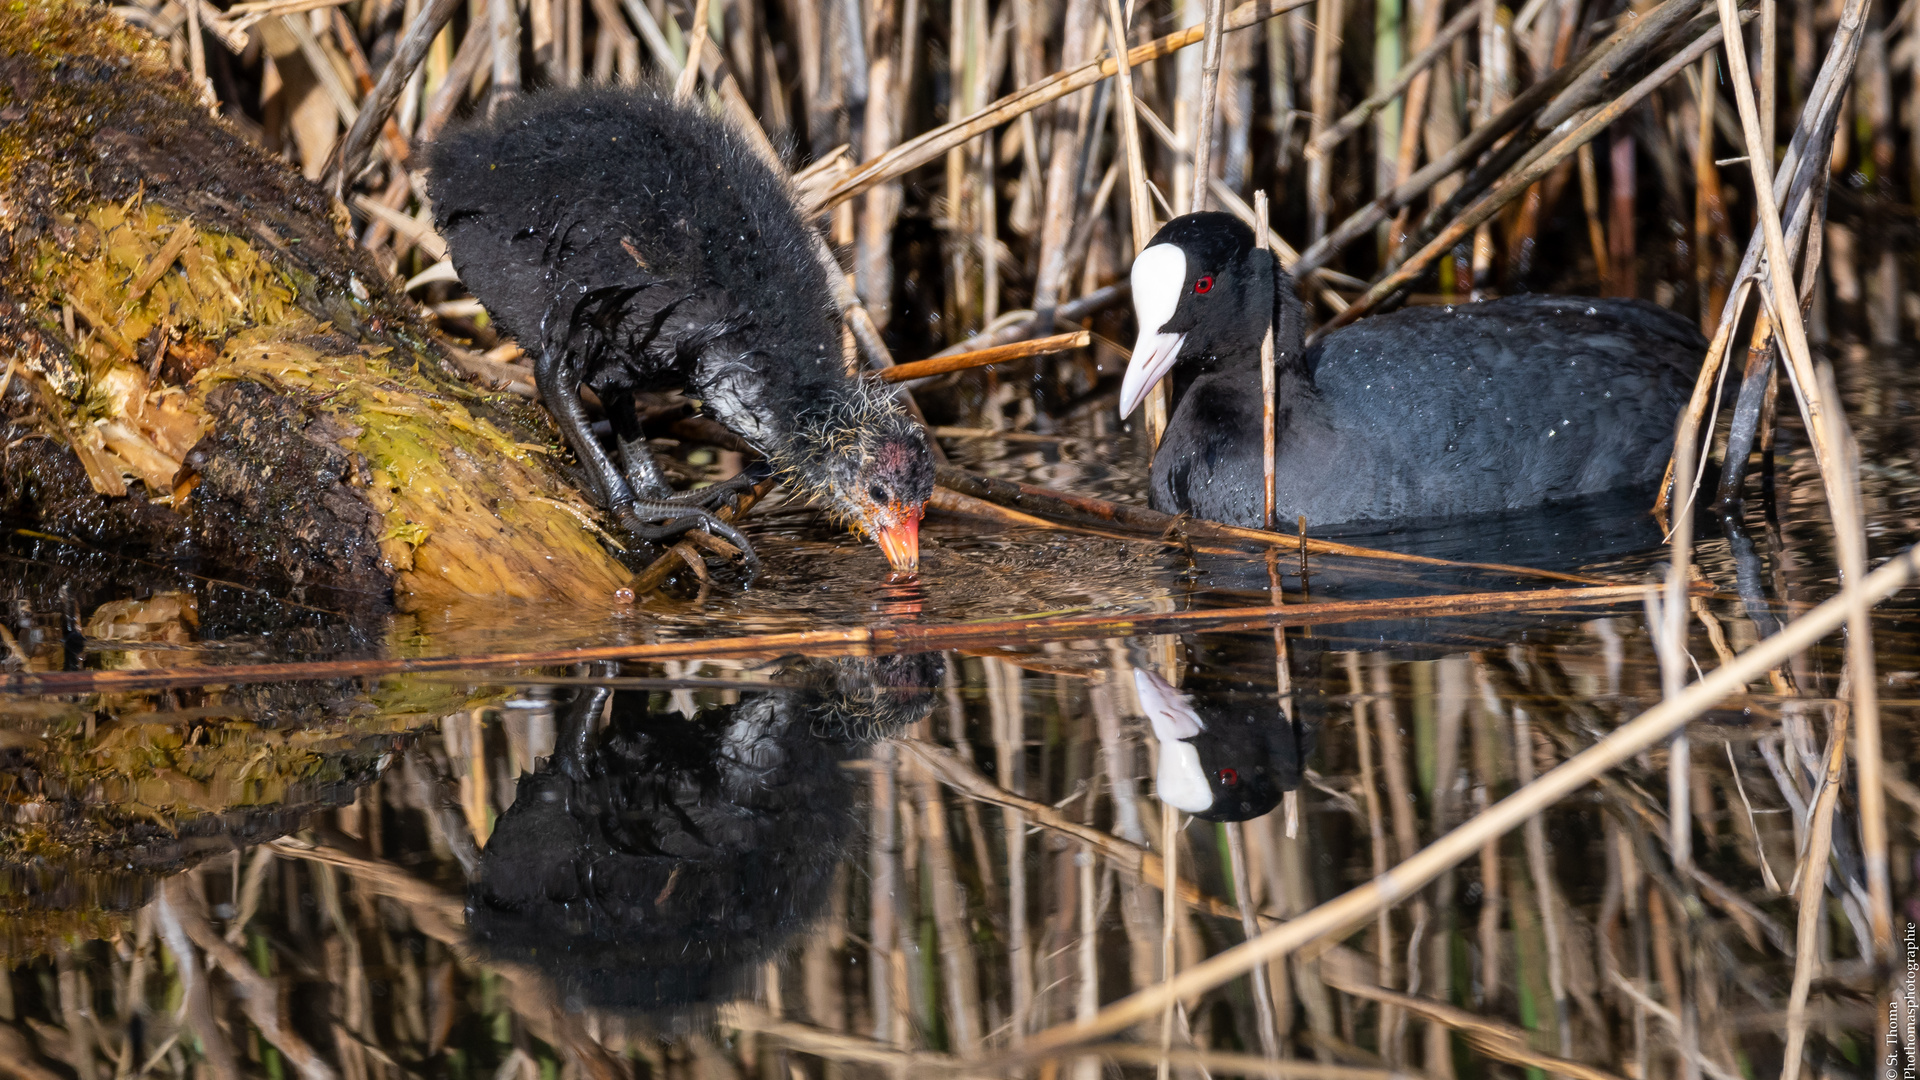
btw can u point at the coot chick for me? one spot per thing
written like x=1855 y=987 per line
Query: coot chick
x=1423 y=413
x=633 y=243
x=1219 y=760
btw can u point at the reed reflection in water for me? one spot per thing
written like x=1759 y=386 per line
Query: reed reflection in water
x=990 y=869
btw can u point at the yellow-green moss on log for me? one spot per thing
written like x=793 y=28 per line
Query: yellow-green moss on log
x=199 y=360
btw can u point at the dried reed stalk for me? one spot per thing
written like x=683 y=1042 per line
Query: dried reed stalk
x=998 y=354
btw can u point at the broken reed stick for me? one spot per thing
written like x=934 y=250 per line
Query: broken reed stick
x=1067 y=508
x=1267 y=436
x=940 y=365
x=1828 y=430
x=1667 y=618
x=1354 y=907
x=1850 y=526
x=833 y=1045
x=1800 y=169
x=1490 y=1037
x=1357 y=117
x=1213 y=31
x=377 y=106
x=1811 y=889
x=1516 y=182
x=1250 y=926
x=1169 y=922
x=853 y=640
x=932 y=145
x=683 y=84
x=1139 y=203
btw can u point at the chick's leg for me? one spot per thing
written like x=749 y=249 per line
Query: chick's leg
x=559 y=385
x=636 y=459
x=646 y=517
x=643 y=471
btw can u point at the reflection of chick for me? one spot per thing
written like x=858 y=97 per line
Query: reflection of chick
x=654 y=870
x=1221 y=760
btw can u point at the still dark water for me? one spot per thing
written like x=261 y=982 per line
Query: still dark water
x=814 y=866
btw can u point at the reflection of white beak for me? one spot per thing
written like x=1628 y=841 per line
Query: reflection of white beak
x=1180 y=781
x=1159 y=278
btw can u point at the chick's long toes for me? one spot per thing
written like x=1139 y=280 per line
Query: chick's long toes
x=650 y=519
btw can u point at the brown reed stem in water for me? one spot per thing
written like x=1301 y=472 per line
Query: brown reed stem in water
x=1083 y=508
x=1169 y=922
x=1249 y=925
x=902 y=638
x=1267 y=438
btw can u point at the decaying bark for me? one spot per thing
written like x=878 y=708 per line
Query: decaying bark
x=199 y=362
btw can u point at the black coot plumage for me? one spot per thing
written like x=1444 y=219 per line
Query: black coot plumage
x=633 y=243
x=1425 y=413
x=653 y=866
x=1221 y=759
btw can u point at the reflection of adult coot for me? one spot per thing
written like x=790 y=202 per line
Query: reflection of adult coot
x=653 y=867
x=1226 y=755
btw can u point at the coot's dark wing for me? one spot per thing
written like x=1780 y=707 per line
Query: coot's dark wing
x=1516 y=402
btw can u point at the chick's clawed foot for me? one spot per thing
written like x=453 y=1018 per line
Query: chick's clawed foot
x=723 y=493
x=660 y=519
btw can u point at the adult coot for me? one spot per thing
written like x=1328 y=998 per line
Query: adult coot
x=1427 y=412
x=633 y=243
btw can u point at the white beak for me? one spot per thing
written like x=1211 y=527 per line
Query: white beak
x=1153 y=356
x=1180 y=781
x=1159 y=277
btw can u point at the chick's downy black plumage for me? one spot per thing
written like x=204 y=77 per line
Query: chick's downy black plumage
x=632 y=243
x=650 y=867
x=1424 y=413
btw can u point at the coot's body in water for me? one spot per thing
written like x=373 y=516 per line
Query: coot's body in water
x=632 y=243
x=1424 y=413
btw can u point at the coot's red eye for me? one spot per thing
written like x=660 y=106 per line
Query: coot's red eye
x=1205 y=284
x=1229 y=777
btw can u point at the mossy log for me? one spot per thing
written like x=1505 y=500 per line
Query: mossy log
x=200 y=363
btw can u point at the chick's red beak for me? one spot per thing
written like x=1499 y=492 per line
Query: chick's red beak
x=901 y=539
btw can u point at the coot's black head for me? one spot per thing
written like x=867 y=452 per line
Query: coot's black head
x=1230 y=764
x=1200 y=288
x=864 y=459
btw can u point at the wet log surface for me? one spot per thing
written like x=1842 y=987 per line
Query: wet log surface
x=201 y=365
